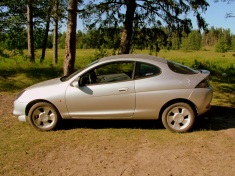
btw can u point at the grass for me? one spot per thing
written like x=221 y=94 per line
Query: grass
x=23 y=149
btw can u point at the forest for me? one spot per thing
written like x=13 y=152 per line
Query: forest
x=120 y=25
x=149 y=39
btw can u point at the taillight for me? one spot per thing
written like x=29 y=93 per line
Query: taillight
x=203 y=84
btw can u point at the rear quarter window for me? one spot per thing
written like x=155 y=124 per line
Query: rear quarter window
x=143 y=70
x=178 y=68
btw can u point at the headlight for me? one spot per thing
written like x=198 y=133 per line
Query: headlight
x=18 y=95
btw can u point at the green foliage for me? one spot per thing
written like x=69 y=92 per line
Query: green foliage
x=225 y=42
x=102 y=52
x=3 y=54
x=13 y=23
x=221 y=46
x=153 y=39
x=139 y=16
x=108 y=38
x=218 y=37
x=192 y=42
x=61 y=40
x=233 y=43
x=175 y=41
x=217 y=72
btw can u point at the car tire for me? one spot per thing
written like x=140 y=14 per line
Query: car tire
x=44 y=116
x=178 y=117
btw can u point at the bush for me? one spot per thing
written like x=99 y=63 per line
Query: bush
x=217 y=72
x=221 y=46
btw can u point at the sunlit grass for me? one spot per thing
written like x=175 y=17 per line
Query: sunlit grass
x=187 y=57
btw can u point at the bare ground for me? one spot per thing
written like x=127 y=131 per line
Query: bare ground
x=208 y=150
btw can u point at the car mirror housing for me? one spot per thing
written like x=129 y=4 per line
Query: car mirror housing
x=75 y=83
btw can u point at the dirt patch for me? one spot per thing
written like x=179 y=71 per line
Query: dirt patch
x=208 y=150
x=142 y=157
x=6 y=104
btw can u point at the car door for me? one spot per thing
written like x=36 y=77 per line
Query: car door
x=106 y=91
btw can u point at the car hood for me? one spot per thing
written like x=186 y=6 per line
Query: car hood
x=47 y=83
x=44 y=90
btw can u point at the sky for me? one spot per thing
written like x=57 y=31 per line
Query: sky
x=214 y=16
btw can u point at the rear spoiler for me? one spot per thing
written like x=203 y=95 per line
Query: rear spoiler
x=204 y=72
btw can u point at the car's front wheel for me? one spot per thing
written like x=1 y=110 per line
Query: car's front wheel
x=44 y=116
x=178 y=117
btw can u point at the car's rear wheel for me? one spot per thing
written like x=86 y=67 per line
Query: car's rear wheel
x=178 y=117
x=44 y=116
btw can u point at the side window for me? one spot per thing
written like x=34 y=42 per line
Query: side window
x=178 y=68
x=143 y=70
x=108 y=73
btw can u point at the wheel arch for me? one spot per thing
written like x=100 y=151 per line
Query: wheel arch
x=30 y=104
x=178 y=100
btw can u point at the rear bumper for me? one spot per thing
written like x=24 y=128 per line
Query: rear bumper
x=202 y=97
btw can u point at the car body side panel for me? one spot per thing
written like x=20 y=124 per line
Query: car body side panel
x=154 y=92
x=101 y=101
x=149 y=104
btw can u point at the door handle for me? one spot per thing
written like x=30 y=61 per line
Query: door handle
x=123 y=89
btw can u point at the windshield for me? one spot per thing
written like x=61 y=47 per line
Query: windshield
x=67 y=77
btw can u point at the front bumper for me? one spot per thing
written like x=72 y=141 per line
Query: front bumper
x=22 y=118
x=19 y=110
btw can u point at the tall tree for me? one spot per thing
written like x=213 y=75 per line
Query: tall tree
x=70 y=43
x=136 y=14
x=48 y=19
x=127 y=27
x=34 y=15
x=55 y=32
x=12 y=27
x=30 y=31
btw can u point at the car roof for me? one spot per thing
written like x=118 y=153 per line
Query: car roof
x=134 y=56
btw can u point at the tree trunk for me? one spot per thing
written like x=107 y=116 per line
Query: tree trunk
x=125 y=44
x=44 y=45
x=55 y=36
x=30 y=31
x=70 y=42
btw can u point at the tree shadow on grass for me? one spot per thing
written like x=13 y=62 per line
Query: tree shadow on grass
x=12 y=80
x=218 y=118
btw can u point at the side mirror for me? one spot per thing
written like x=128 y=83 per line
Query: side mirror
x=75 y=83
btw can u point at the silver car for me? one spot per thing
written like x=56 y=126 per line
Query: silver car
x=120 y=87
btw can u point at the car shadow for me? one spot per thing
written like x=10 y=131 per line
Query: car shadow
x=115 y=124
x=218 y=118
